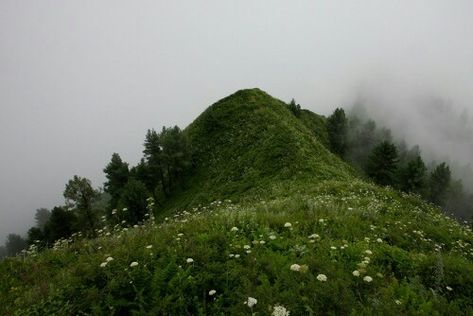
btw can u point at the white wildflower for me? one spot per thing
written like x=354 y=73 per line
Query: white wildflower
x=356 y=273
x=251 y=302
x=272 y=237
x=149 y=246
x=189 y=260
x=133 y=264
x=322 y=277
x=234 y=229
x=449 y=288
x=295 y=267
x=109 y=259
x=368 y=279
x=279 y=310
x=287 y=225
x=212 y=292
x=368 y=252
x=103 y=264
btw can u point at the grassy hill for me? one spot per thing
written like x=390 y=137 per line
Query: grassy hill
x=249 y=144
x=269 y=214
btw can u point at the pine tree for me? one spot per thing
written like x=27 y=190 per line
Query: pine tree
x=382 y=163
x=153 y=156
x=413 y=177
x=117 y=174
x=41 y=217
x=439 y=184
x=337 y=125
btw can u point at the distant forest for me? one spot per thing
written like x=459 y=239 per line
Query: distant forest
x=372 y=151
x=132 y=194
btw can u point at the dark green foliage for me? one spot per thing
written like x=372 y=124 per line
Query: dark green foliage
x=14 y=244
x=439 y=184
x=61 y=224
x=294 y=108
x=413 y=177
x=41 y=217
x=133 y=198
x=3 y=252
x=382 y=164
x=166 y=160
x=337 y=125
x=117 y=174
x=154 y=167
x=175 y=155
x=80 y=196
x=35 y=236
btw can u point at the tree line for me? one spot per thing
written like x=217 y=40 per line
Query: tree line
x=124 y=200
x=372 y=151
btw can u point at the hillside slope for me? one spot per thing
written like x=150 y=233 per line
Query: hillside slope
x=302 y=234
x=249 y=142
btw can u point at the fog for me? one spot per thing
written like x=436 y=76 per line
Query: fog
x=80 y=80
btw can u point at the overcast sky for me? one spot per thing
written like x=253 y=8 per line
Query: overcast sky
x=80 y=80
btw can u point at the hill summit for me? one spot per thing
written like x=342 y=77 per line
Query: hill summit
x=269 y=223
x=249 y=142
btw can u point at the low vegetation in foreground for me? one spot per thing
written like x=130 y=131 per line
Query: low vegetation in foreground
x=371 y=251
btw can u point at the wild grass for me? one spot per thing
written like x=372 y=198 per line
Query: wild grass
x=418 y=261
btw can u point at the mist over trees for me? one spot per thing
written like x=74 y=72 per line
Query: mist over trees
x=41 y=217
x=14 y=244
x=372 y=151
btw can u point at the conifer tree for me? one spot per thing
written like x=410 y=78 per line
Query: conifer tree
x=382 y=163
x=41 y=217
x=439 y=184
x=117 y=174
x=413 y=177
x=337 y=125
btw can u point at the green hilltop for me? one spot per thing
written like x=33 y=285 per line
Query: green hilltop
x=249 y=144
x=270 y=222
